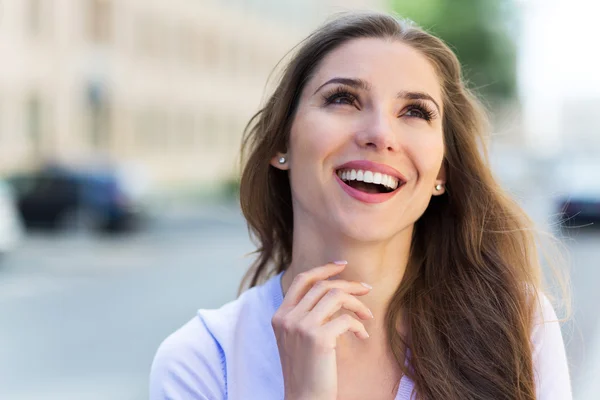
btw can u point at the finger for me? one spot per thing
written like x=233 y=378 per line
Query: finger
x=305 y=280
x=342 y=324
x=321 y=288
x=332 y=302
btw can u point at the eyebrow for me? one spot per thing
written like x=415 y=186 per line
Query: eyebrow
x=404 y=94
x=352 y=82
x=364 y=85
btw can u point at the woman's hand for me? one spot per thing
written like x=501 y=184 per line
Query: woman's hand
x=307 y=335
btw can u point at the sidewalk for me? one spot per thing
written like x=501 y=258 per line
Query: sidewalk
x=180 y=214
x=591 y=381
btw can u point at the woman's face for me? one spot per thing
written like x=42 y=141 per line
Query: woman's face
x=366 y=143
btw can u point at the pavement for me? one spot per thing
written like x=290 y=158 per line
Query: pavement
x=82 y=315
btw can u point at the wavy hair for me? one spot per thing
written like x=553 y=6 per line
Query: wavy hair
x=466 y=296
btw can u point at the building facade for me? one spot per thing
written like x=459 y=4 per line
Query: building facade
x=165 y=84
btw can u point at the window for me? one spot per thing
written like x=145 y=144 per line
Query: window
x=210 y=133
x=186 y=43
x=151 y=129
x=210 y=48
x=186 y=131
x=38 y=17
x=150 y=37
x=33 y=115
x=236 y=128
x=99 y=116
x=1 y=127
x=99 y=21
x=143 y=36
x=34 y=17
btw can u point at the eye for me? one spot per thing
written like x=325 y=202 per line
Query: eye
x=415 y=112
x=340 y=96
x=420 y=111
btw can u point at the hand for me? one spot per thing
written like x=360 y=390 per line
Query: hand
x=307 y=334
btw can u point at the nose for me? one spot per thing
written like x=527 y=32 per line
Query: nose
x=377 y=132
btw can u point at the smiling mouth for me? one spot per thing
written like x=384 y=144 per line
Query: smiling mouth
x=368 y=181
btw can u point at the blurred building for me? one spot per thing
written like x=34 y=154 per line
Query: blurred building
x=560 y=90
x=167 y=84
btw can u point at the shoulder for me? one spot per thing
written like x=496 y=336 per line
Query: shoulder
x=546 y=326
x=188 y=365
x=192 y=363
x=549 y=355
x=251 y=312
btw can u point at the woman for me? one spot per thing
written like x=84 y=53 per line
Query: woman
x=368 y=152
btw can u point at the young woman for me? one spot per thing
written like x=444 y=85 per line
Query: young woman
x=369 y=152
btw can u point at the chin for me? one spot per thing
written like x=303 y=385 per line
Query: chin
x=366 y=229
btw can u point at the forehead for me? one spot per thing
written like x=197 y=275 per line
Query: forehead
x=384 y=63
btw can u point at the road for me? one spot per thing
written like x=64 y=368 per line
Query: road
x=81 y=316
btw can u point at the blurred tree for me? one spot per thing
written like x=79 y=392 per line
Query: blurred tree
x=478 y=31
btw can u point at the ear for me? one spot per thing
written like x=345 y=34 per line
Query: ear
x=440 y=180
x=276 y=161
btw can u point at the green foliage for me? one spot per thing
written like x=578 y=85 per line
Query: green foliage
x=231 y=189
x=477 y=30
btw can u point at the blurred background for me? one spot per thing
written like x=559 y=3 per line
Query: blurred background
x=120 y=123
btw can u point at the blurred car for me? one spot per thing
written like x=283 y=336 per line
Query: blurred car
x=95 y=199
x=579 y=200
x=11 y=226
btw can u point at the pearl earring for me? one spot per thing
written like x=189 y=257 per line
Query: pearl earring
x=438 y=187
x=282 y=160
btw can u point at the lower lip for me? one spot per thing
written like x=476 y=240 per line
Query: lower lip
x=363 y=196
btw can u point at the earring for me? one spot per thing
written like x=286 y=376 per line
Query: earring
x=438 y=187
x=282 y=160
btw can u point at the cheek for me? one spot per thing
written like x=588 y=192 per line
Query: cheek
x=428 y=154
x=314 y=135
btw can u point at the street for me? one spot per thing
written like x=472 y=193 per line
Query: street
x=81 y=316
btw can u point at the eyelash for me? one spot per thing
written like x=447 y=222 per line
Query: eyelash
x=338 y=93
x=424 y=109
x=342 y=93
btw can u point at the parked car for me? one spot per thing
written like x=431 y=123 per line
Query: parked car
x=11 y=226
x=579 y=200
x=93 y=199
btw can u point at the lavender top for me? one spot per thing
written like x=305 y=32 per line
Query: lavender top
x=231 y=353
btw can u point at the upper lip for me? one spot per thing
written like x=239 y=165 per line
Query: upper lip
x=372 y=166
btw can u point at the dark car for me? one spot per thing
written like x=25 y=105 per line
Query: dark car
x=70 y=198
x=579 y=200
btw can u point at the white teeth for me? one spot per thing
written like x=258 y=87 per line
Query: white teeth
x=377 y=178
x=369 y=177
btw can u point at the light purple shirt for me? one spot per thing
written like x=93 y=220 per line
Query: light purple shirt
x=231 y=353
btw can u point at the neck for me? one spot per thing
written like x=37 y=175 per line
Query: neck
x=380 y=264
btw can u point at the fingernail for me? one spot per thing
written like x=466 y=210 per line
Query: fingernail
x=367 y=333
x=340 y=262
x=366 y=285
x=371 y=312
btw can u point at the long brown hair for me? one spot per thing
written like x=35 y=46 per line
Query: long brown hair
x=466 y=296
